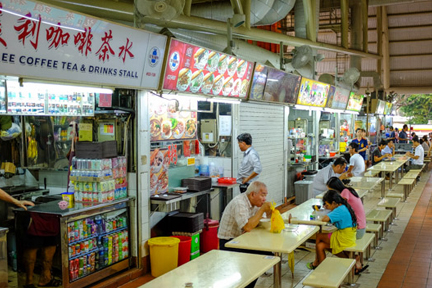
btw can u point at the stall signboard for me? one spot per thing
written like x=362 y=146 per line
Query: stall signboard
x=388 y=108
x=330 y=95
x=26 y=102
x=159 y=164
x=198 y=70
x=355 y=102
x=313 y=93
x=339 y=100
x=380 y=107
x=44 y=42
x=273 y=85
x=166 y=123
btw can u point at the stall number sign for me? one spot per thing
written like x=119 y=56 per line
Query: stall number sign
x=42 y=41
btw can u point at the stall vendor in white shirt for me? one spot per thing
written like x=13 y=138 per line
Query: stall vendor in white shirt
x=332 y=170
x=418 y=156
x=356 y=166
x=250 y=166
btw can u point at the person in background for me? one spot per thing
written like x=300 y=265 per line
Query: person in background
x=335 y=169
x=377 y=155
x=412 y=135
x=392 y=136
x=250 y=166
x=19 y=203
x=242 y=214
x=396 y=135
x=418 y=155
x=424 y=142
x=363 y=143
x=403 y=137
x=389 y=149
x=345 y=220
x=367 y=161
x=357 y=164
x=351 y=196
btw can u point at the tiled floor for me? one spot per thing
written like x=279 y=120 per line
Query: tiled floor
x=404 y=260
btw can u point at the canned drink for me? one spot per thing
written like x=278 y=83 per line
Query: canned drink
x=92 y=258
x=81 y=262
x=76 y=264
x=114 y=224
x=105 y=242
x=82 y=246
x=92 y=268
x=88 y=269
x=71 y=252
x=77 y=248
x=72 y=275
x=86 y=243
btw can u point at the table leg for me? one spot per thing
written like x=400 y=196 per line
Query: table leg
x=397 y=176
x=391 y=181
x=383 y=185
x=277 y=276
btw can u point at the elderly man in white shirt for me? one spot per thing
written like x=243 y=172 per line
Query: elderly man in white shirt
x=242 y=214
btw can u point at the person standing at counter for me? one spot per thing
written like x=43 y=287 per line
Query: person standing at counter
x=362 y=142
x=21 y=204
x=250 y=166
x=392 y=136
x=243 y=214
x=403 y=137
x=357 y=163
x=332 y=170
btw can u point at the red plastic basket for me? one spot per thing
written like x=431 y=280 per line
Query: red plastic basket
x=227 y=180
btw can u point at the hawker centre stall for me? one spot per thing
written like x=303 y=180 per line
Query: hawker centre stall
x=69 y=87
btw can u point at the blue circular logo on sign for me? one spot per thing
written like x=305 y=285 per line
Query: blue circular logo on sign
x=174 y=61
x=154 y=56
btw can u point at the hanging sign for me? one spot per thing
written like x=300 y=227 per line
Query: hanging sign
x=40 y=41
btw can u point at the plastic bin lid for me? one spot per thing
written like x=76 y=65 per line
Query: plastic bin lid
x=303 y=182
x=163 y=241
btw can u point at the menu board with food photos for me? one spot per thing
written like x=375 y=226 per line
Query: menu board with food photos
x=166 y=123
x=380 y=107
x=273 y=85
x=388 y=108
x=339 y=99
x=159 y=164
x=313 y=93
x=355 y=102
x=194 y=69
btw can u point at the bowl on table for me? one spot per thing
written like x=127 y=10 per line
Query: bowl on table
x=265 y=222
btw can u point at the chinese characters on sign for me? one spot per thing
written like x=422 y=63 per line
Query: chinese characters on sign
x=85 y=49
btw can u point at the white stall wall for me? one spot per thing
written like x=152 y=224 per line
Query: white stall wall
x=266 y=125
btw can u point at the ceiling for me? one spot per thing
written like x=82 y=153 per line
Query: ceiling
x=405 y=30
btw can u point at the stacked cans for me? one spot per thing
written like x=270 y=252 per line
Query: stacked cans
x=95 y=243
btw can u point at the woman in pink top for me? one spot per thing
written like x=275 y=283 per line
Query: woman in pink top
x=354 y=200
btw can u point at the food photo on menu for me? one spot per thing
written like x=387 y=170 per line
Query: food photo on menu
x=313 y=93
x=259 y=82
x=199 y=70
x=166 y=123
x=281 y=87
x=355 y=102
x=159 y=164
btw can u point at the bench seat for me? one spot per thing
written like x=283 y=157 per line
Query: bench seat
x=330 y=273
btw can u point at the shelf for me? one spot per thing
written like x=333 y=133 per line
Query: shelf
x=85 y=253
x=97 y=235
x=100 y=274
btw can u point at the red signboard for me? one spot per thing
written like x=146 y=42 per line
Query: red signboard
x=199 y=70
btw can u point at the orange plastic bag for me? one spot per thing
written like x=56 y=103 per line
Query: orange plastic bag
x=277 y=223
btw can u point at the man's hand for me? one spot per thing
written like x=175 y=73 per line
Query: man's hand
x=266 y=206
x=23 y=204
x=343 y=176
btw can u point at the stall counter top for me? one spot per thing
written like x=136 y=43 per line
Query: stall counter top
x=54 y=209
x=3 y=230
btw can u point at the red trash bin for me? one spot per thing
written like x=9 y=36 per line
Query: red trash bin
x=209 y=239
x=184 y=249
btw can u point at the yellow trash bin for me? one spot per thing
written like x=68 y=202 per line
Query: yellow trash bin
x=163 y=254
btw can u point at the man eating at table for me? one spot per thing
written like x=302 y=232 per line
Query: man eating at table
x=332 y=170
x=243 y=214
x=378 y=155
